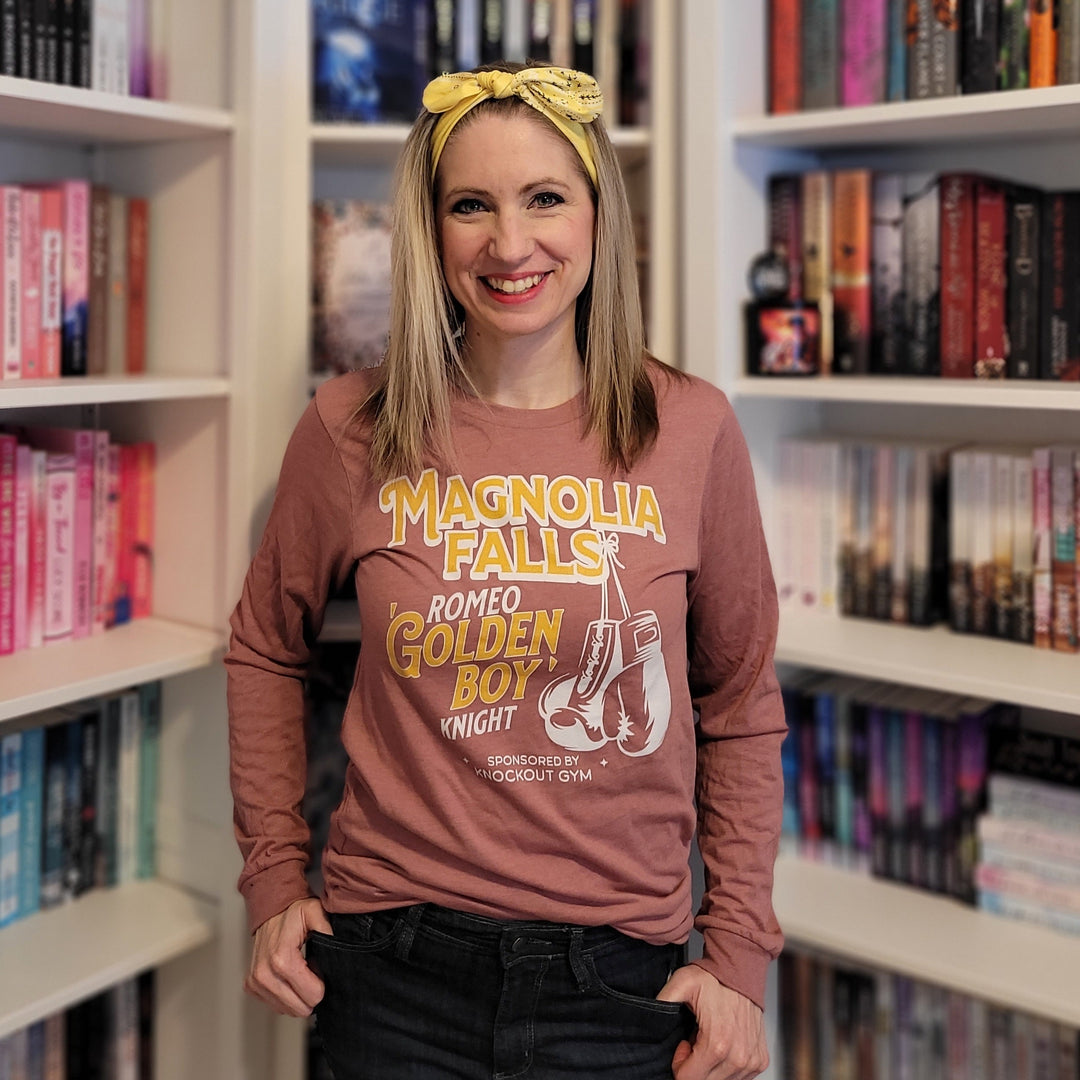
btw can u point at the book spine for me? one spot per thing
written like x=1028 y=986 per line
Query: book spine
x=820 y=32
x=1043 y=42
x=142 y=555
x=958 y=277
x=897 y=809
x=442 y=41
x=138 y=49
x=785 y=56
x=138 y=220
x=30 y=821
x=108 y=792
x=809 y=805
x=863 y=586
x=116 y=320
x=86 y=848
x=60 y=554
x=843 y=791
x=1042 y=516
x=52 y=281
x=950 y=807
x=607 y=47
x=11 y=196
x=852 y=298
x=1024 y=837
x=884 y=499
x=21 y=584
x=1003 y=502
x=112 y=534
x=633 y=87
x=128 y=787
x=149 y=752
x=10 y=801
x=789 y=761
x=52 y=850
x=30 y=257
x=1053 y=354
x=84 y=531
x=1014 y=58
x=7 y=544
x=887 y=348
x=583 y=35
x=915 y=796
x=945 y=48
x=1068 y=57
x=922 y=276
x=960 y=544
x=1015 y=797
x=920 y=16
x=26 y=38
x=37 y=542
x=864 y=67
x=1022 y=286
x=1022 y=627
x=982 y=549
x=99 y=595
x=903 y=535
x=991 y=345
x=922 y=597
x=125 y=572
x=98 y=298
x=825 y=765
x=971 y=795
x=931 y=810
x=981 y=46
x=785 y=228
x=816 y=197
x=66 y=38
x=76 y=276
x=159 y=50
x=877 y=789
x=9 y=37
x=827 y=484
x=1063 y=626
x=491 y=30
x=897 y=68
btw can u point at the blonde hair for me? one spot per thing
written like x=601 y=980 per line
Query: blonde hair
x=410 y=408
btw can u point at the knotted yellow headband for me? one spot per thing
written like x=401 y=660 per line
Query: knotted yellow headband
x=567 y=98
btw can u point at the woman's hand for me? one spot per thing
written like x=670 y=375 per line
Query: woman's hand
x=279 y=975
x=730 y=1041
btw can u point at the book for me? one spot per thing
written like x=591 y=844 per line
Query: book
x=46 y=32
x=67 y=43
x=864 y=52
x=929 y=534
x=820 y=40
x=20 y=585
x=1043 y=43
x=137 y=247
x=633 y=63
x=37 y=546
x=884 y=509
x=52 y=281
x=31 y=272
x=1014 y=57
x=959 y=282
x=982 y=540
x=149 y=754
x=25 y=28
x=11 y=298
x=852 y=298
x=785 y=56
x=52 y=847
x=110 y=49
x=785 y=240
x=933 y=48
x=816 y=217
x=138 y=48
x=86 y=848
x=583 y=35
x=369 y=63
x=897 y=43
x=106 y=870
x=9 y=38
x=1063 y=625
x=1037 y=755
x=127 y=828
x=350 y=284
x=8 y=453
x=71 y=884
x=442 y=34
x=142 y=541
x=1003 y=502
x=903 y=530
x=76 y=250
x=1059 y=354
x=116 y=316
x=1042 y=544
x=887 y=319
x=1022 y=624
x=158 y=17
x=980 y=46
x=1022 y=282
x=31 y=809
x=99 y=595
x=10 y=807
x=491 y=31
x=960 y=541
x=991 y=344
x=922 y=272
x=98 y=291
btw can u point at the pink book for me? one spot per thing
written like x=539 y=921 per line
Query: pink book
x=38 y=537
x=79 y=443
x=31 y=283
x=123 y=593
x=112 y=533
x=60 y=500
x=864 y=52
x=23 y=496
x=11 y=294
x=100 y=598
x=7 y=544
x=142 y=570
x=52 y=280
x=74 y=329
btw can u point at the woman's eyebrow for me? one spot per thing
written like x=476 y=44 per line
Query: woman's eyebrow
x=544 y=181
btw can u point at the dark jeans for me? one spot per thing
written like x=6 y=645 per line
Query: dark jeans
x=423 y=993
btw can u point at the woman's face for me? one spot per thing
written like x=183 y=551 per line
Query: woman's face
x=515 y=219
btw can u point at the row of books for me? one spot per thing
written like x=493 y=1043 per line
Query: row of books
x=887 y=780
x=110 y=1036
x=73 y=280
x=951 y=274
x=371 y=62
x=117 y=46
x=76 y=534
x=985 y=536
x=78 y=808
x=1029 y=839
x=844 y=1023
x=826 y=54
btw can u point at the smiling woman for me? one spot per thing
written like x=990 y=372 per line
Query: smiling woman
x=569 y=621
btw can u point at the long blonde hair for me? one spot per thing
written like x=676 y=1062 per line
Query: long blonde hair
x=410 y=408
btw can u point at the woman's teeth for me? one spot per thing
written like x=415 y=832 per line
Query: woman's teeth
x=520 y=285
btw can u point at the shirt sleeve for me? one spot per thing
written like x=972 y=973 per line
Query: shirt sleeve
x=304 y=555
x=732 y=622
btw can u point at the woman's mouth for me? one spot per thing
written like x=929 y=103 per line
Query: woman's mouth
x=513 y=286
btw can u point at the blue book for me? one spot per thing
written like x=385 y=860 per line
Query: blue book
x=843 y=790
x=789 y=763
x=71 y=831
x=896 y=76
x=149 y=744
x=821 y=54
x=825 y=747
x=10 y=784
x=30 y=819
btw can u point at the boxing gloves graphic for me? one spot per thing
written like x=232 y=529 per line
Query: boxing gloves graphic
x=619 y=694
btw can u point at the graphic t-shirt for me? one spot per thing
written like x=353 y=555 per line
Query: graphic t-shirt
x=557 y=659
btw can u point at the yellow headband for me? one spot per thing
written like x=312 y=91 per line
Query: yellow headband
x=567 y=98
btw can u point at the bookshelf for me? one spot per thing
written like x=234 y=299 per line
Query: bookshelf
x=729 y=149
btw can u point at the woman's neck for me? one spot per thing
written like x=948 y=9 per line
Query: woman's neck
x=524 y=373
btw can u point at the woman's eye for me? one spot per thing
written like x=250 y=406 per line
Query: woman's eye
x=467 y=206
x=546 y=199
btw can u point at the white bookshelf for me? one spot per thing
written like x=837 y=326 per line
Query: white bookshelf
x=106 y=389
x=68 y=953
x=875 y=923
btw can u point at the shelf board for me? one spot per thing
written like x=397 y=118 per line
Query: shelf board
x=352 y=144
x=977 y=393
x=140 y=651
x=1001 y=116
x=881 y=924
x=73 y=113
x=100 y=389
x=64 y=955
x=342 y=622
x=935 y=656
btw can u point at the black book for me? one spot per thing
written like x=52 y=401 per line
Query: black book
x=44 y=65
x=1059 y=346
x=26 y=38
x=84 y=48
x=88 y=841
x=980 y=46
x=52 y=840
x=9 y=37
x=73 y=807
x=541 y=14
x=584 y=35
x=491 y=31
x=66 y=20
x=1036 y=755
x=1022 y=282
x=442 y=37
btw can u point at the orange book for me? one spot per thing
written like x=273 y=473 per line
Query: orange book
x=785 y=56
x=1043 y=43
x=852 y=297
x=142 y=567
x=137 y=239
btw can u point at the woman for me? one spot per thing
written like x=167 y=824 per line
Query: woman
x=568 y=628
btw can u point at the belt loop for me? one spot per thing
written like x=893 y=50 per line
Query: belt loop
x=575 y=955
x=411 y=921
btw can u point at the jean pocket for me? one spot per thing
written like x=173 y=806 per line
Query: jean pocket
x=358 y=933
x=633 y=977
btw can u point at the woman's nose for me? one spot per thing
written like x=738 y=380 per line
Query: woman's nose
x=511 y=239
